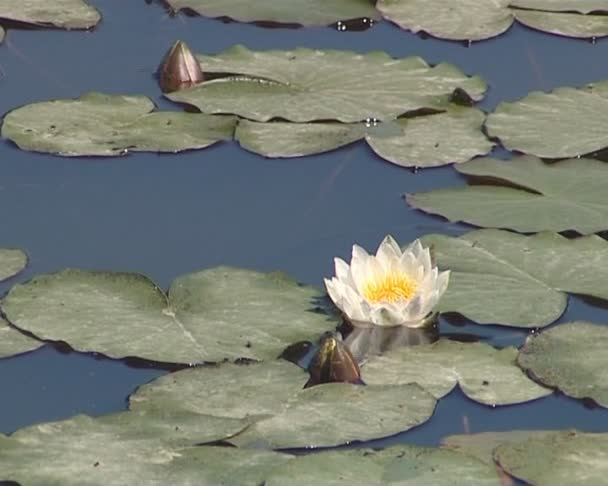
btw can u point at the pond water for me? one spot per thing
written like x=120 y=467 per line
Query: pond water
x=166 y=215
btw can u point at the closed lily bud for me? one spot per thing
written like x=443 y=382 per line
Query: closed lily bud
x=180 y=69
x=333 y=362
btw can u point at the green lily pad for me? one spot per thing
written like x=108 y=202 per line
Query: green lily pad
x=566 y=24
x=504 y=278
x=560 y=458
x=108 y=125
x=423 y=141
x=305 y=85
x=481 y=446
x=282 y=414
x=581 y=6
x=65 y=14
x=308 y=12
x=13 y=342
x=463 y=20
x=12 y=262
x=485 y=374
x=564 y=123
x=570 y=357
x=220 y=313
x=398 y=465
x=532 y=196
x=131 y=448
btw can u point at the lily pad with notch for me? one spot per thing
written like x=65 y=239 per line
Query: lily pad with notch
x=526 y=195
x=110 y=125
x=303 y=85
x=500 y=277
x=307 y=13
x=208 y=316
x=452 y=136
x=283 y=414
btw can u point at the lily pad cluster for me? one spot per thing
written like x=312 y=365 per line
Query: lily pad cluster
x=455 y=20
x=63 y=14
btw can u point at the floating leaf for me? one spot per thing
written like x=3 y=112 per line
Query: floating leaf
x=399 y=465
x=65 y=14
x=220 y=313
x=12 y=262
x=308 y=12
x=485 y=374
x=422 y=141
x=560 y=458
x=454 y=19
x=582 y=6
x=567 y=24
x=284 y=415
x=534 y=196
x=107 y=125
x=567 y=122
x=13 y=342
x=570 y=357
x=504 y=278
x=132 y=448
x=305 y=85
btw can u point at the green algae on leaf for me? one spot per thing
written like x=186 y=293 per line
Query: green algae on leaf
x=402 y=465
x=65 y=14
x=570 y=357
x=560 y=458
x=12 y=262
x=452 y=19
x=109 y=125
x=567 y=122
x=304 y=85
x=485 y=374
x=452 y=136
x=132 y=448
x=13 y=342
x=303 y=12
x=499 y=277
x=281 y=413
x=528 y=195
x=212 y=315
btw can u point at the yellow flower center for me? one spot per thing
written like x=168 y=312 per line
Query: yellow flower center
x=393 y=287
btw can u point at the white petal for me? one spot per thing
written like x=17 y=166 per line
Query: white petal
x=408 y=264
x=342 y=269
x=415 y=308
x=354 y=303
x=388 y=252
x=333 y=290
x=442 y=282
x=358 y=267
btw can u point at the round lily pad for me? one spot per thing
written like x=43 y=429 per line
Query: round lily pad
x=12 y=262
x=132 y=448
x=566 y=24
x=14 y=342
x=109 y=125
x=400 y=465
x=485 y=374
x=304 y=85
x=570 y=357
x=65 y=14
x=220 y=313
x=307 y=12
x=282 y=414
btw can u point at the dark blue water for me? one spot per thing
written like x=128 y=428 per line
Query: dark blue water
x=172 y=214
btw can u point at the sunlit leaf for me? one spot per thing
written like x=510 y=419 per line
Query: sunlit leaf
x=12 y=262
x=505 y=278
x=567 y=24
x=216 y=314
x=108 y=125
x=132 y=448
x=450 y=19
x=66 y=14
x=570 y=357
x=399 y=465
x=485 y=374
x=304 y=12
x=561 y=458
x=305 y=85
x=567 y=122
x=14 y=342
x=528 y=195
x=283 y=415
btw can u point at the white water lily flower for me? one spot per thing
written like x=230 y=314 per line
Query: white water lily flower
x=392 y=288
